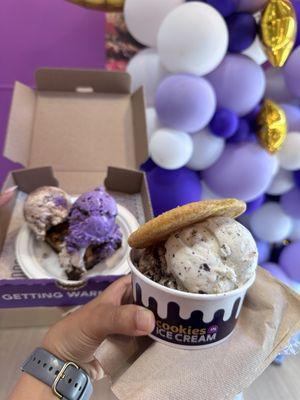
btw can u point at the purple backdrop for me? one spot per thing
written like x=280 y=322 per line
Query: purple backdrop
x=47 y=33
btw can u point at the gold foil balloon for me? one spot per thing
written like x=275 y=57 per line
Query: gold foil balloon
x=278 y=30
x=102 y=5
x=272 y=126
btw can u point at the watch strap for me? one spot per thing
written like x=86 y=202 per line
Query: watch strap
x=68 y=381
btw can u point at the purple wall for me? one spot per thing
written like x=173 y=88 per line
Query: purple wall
x=47 y=33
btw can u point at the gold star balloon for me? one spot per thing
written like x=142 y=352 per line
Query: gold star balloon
x=272 y=126
x=278 y=28
x=101 y=5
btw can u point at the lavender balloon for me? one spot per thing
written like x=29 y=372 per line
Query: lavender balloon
x=185 y=102
x=244 y=171
x=264 y=251
x=239 y=83
x=242 y=30
x=276 y=272
x=291 y=72
x=290 y=202
x=172 y=188
x=289 y=261
x=292 y=113
x=251 y=5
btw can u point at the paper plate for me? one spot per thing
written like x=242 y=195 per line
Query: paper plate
x=39 y=261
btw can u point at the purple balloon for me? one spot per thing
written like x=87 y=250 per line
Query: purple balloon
x=264 y=251
x=244 y=171
x=242 y=30
x=296 y=4
x=172 y=188
x=291 y=72
x=292 y=113
x=276 y=88
x=289 y=261
x=239 y=83
x=185 y=102
x=296 y=175
x=277 y=272
x=242 y=133
x=255 y=204
x=224 y=123
x=225 y=7
x=290 y=202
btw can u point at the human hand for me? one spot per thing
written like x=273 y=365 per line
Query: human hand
x=7 y=195
x=76 y=337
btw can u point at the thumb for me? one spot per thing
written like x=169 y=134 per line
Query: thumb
x=130 y=320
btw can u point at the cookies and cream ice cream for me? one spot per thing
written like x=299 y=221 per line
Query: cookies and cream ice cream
x=44 y=208
x=92 y=223
x=215 y=255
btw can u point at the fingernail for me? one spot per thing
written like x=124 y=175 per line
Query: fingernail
x=11 y=189
x=144 y=320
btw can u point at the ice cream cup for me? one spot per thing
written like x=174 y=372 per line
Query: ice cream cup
x=187 y=320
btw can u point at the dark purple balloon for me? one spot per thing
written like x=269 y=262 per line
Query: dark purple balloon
x=277 y=272
x=225 y=7
x=224 y=123
x=296 y=4
x=297 y=178
x=148 y=165
x=255 y=204
x=290 y=202
x=242 y=30
x=242 y=133
x=289 y=261
x=172 y=188
x=264 y=250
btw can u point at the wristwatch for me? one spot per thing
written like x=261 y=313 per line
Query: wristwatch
x=67 y=380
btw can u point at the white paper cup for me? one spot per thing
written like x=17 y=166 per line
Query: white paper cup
x=187 y=320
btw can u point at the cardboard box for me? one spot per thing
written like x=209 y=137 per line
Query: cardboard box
x=79 y=122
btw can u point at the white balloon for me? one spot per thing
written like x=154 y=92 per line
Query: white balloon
x=170 y=149
x=152 y=121
x=270 y=224
x=144 y=17
x=256 y=52
x=192 y=38
x=295 y=234
x=207 y=149
x=146 y=70
x=282 y=182
x=289 y=154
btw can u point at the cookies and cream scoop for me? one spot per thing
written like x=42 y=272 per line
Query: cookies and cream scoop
x=213 y=256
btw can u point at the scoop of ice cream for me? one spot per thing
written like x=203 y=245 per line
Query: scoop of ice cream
x=92 y=222
x=213 y=256
x=45 y=207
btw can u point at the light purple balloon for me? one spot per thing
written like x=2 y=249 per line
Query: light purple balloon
x=264 y=250
x=289 y=261
x=291 y=72
x=185 y=102
x=251 y=5
x=239 y=83
x=292 y=113
x=290 y=202
x=277 y=272
x=244 y=171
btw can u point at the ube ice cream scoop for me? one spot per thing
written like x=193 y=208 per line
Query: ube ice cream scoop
x=92 y=222
x=44 y=208
x=213 y=256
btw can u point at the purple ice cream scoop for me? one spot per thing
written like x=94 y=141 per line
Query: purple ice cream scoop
x=92 y=222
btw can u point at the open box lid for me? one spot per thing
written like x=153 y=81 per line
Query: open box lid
x=79 y=122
